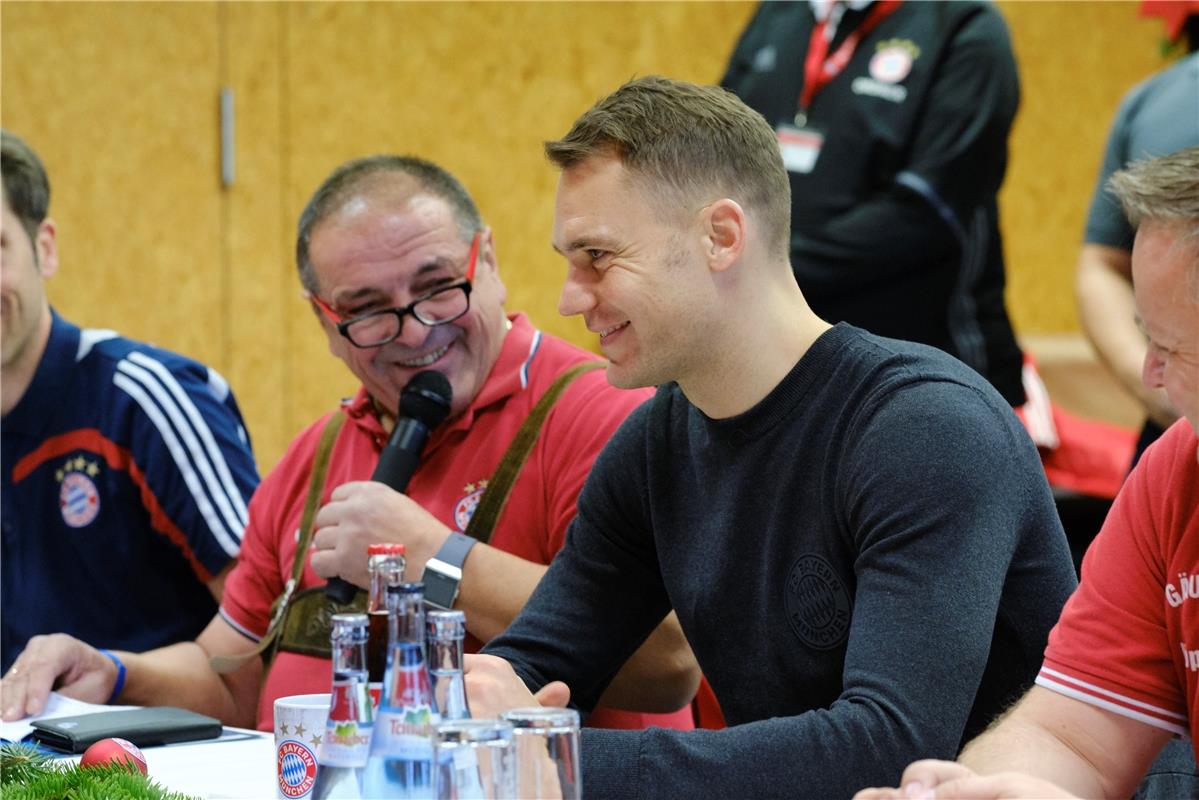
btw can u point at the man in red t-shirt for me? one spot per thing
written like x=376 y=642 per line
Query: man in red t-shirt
x=402 y=275
x=1121 y=670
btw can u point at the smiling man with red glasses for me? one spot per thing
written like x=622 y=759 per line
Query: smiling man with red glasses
x=401 y=274
x=377 y=328
x=402 y=289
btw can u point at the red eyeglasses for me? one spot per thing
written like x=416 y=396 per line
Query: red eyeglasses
x=377 y=328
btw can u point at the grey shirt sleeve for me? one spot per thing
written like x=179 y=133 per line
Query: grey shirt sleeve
x=1158 y=116
x=1106 y=223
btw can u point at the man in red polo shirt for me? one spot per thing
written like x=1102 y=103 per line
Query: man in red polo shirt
x=402 y=275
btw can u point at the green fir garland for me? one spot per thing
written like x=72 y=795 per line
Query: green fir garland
x=29 y=774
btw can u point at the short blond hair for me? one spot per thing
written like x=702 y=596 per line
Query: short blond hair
x=1164 y=190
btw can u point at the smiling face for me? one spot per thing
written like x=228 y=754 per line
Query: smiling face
x=24 y=264
x=385 y=247
x=634 y=274
x=1167 y=304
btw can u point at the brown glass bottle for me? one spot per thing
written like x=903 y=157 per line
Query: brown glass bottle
x=385 y=563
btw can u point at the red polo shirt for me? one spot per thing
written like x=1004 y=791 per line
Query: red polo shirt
x=459 y=458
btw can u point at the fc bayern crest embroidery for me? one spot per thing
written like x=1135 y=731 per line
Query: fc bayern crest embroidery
x=464 y=509
x=892 y=60
x=78 y=497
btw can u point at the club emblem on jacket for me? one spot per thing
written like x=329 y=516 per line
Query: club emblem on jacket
x=78 y=498
x=892 y=60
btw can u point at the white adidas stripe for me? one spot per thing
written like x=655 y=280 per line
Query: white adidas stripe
x=89 y=338
x=135 y=382
x=232 y=495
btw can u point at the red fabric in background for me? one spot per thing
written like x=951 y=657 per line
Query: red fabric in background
x=1092 y=457
x=706 y=709
x=1173 y=12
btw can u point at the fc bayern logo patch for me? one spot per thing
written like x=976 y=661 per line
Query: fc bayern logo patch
x=297 y=769
x=817 y=603
x=78 y=499
x=891 y=64
x=465 y=508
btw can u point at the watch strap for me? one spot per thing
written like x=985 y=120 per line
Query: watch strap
x=443 y=572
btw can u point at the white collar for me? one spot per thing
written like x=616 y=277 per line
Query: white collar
x=821 y=8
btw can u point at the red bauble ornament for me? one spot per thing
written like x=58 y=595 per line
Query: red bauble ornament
x=111 y=751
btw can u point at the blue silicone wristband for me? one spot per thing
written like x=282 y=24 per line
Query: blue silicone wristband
x=120 y=684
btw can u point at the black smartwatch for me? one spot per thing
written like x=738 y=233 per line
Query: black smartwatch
x=443 y=572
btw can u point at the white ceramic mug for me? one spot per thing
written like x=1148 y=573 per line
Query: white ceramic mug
x=299 y=726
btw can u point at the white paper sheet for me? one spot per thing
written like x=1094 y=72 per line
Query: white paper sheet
x=240 y=764
x=56 y=706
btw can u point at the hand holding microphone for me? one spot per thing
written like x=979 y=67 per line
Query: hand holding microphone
x=424 y=404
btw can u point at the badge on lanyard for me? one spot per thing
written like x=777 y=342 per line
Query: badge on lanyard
x=800 y=147
x=800 y=143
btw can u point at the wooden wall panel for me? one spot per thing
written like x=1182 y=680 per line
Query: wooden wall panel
x=117 y=99
x=257 y=231
x=1076 y=61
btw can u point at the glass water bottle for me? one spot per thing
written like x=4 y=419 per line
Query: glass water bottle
x=401 y=752
x=343 y=750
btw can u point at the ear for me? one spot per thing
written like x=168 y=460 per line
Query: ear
x=46 y=246
x=338 y=345
x=488 y=268
x=724 y=230
x=487 y=254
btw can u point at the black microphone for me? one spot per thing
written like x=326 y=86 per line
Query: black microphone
x=424 y=404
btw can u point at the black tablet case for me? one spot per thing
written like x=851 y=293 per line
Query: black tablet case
x=144 y=727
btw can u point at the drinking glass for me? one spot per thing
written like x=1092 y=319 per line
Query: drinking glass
x=475 y=760
x=547 y=752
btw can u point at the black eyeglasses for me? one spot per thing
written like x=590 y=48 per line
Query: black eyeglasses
x=438 y=307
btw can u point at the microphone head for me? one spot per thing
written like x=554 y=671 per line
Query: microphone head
x=427 y=398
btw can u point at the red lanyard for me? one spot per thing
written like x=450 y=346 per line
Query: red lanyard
x=820 y=68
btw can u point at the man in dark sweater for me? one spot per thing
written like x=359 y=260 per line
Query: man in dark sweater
x=855 y=532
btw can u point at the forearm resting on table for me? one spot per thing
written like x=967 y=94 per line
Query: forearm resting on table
x=661 y=676
x=180 y=675
x=1083 y=749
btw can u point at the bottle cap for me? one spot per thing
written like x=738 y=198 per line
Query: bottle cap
x=349 y=618
x=386 y=549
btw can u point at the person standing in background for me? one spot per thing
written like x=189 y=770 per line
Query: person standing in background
x=893 y=119
x=1158 y=116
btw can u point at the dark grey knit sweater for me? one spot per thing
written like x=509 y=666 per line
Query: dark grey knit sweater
x=867 y=565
